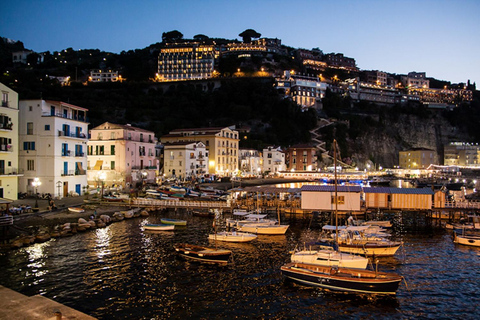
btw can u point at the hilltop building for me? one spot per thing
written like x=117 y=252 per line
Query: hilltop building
x=53 y=138
x=221 y=145
x=104 y=76
x=461 y=154
x=9 y=126
x=417 y=158
x=121 y=156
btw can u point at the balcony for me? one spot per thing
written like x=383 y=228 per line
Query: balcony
x=6 y=148
x=67 y=173
x=79 y=135
x=66 y=153
x=10 y=171
x=68 y=116
x=80 y=172
x=7 y=126
x=79 y=154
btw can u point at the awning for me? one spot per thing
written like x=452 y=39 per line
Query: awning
x=79 y=168
x=98 y=165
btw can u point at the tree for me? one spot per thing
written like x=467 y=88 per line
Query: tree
x=200 y=37
x=248 y=34
x=172 y=36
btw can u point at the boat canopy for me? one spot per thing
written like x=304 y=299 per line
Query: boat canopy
x=256 y=216
x=240 y=213
x=357 y=228
x=329 y=227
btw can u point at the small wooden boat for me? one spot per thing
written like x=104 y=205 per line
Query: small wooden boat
x=176 y=222
x=467 y=238
x=203 y=254
x=158 y=227
x=112 y=199
x=203 y=213
x=232 y=236
x=342 y=279
x=75 y=210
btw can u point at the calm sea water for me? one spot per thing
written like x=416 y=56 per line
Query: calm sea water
x=121 y=272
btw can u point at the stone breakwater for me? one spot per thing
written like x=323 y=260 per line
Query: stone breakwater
x=42 y=232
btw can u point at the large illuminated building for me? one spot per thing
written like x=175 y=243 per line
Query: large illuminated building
x=188 y=61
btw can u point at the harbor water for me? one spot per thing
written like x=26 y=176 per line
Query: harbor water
x=122 y=272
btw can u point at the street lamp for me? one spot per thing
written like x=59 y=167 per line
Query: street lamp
x=36 y=183
x=59 y=185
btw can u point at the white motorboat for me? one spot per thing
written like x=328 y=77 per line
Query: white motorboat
x=232 y=236
x=158 y=227
x=467 y=238
x=327 y=256
x=245 y=217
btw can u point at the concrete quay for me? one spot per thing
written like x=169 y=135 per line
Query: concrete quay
x=14 y=305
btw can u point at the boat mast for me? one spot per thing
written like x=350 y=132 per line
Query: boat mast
x=336 y=200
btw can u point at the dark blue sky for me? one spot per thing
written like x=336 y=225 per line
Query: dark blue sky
x=438 y=37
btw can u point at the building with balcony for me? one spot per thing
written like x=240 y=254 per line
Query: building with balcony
x=221 y=145
x=273 y=160
x=307 y=91
x=9 y=171
x=185 y=160
x=417 y=158
x=104 y=76
x=250 y=162
x=301 y=157
x=415 y=80
x=187 y=61
x=338 y=60
x=53 y=139
x=461 y=154
x=121 y=156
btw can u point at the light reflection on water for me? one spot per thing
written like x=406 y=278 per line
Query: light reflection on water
x=121 y=272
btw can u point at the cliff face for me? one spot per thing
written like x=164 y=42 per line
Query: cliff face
x=382 y=144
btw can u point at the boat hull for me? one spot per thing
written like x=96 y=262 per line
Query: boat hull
x=281 y=229
x=203 y=254
x=76 y=210
x=370 y=249
x=232 y=236
x=174 y=222
x=342 y=279
x=467 y=240
x=159 y=227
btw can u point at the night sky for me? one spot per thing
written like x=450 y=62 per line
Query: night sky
x=438 y=37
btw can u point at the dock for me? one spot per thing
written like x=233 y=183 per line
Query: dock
x=14 y=305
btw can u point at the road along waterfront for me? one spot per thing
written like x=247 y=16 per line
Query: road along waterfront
x=122 y=272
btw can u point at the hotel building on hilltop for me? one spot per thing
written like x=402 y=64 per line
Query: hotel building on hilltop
x=9 y=126
x=121 y=156
x=461 y=154
x=221 y=146
x=188 y=61
x=53 y=138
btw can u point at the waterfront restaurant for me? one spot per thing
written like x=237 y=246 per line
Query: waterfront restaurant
x=398 y=198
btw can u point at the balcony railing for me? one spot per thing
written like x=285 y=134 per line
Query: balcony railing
x=68 y=172
x=65 y=153
x=6 y=125
x=10 y=171
x=79 y=154
x=80 y=172
x=73 y=134
x=68 y=116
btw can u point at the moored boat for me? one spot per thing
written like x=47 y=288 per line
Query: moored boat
x=203 y=254
x=176 y=222
x=75 y=210
x=329 y=257
x=264 y=229
x=467 y=238
x=342 y=279
x=232 y=236
x=158 y=227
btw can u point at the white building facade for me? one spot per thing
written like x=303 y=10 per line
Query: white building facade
x=250 y=162
x=121 y=156
x=9 y=171
x=273 y=160
x=185 y=160
x=53 y=141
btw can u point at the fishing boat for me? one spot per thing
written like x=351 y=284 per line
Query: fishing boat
x=342 y=279
x=75 y=210
x=203 y=254
x=232 y=236
x=329 y=256
x=467 y=238
x=176 y=222
x=158 y=227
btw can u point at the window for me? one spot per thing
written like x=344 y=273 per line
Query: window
x=112 y=150
x=29 y=128
x=47 y=127
x=30 y=165
x=112 y=135
x=112 y=165
x=29 y=145
x=340 y=199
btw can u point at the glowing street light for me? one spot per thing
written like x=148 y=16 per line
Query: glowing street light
x=36 y=183
x=102 y=178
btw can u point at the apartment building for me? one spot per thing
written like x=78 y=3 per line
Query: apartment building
x=53 y=138
x=121 y=156
x=221 y=144
x=9 y=170
x=338 y=60
x=250 y=162
x=104 y=76
x=185 y=160
x=305 y=90
x=301 y=157
x=415 y=80
x=417 y=158
x=461 y=154
x=273 y=160
x=188 y=61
